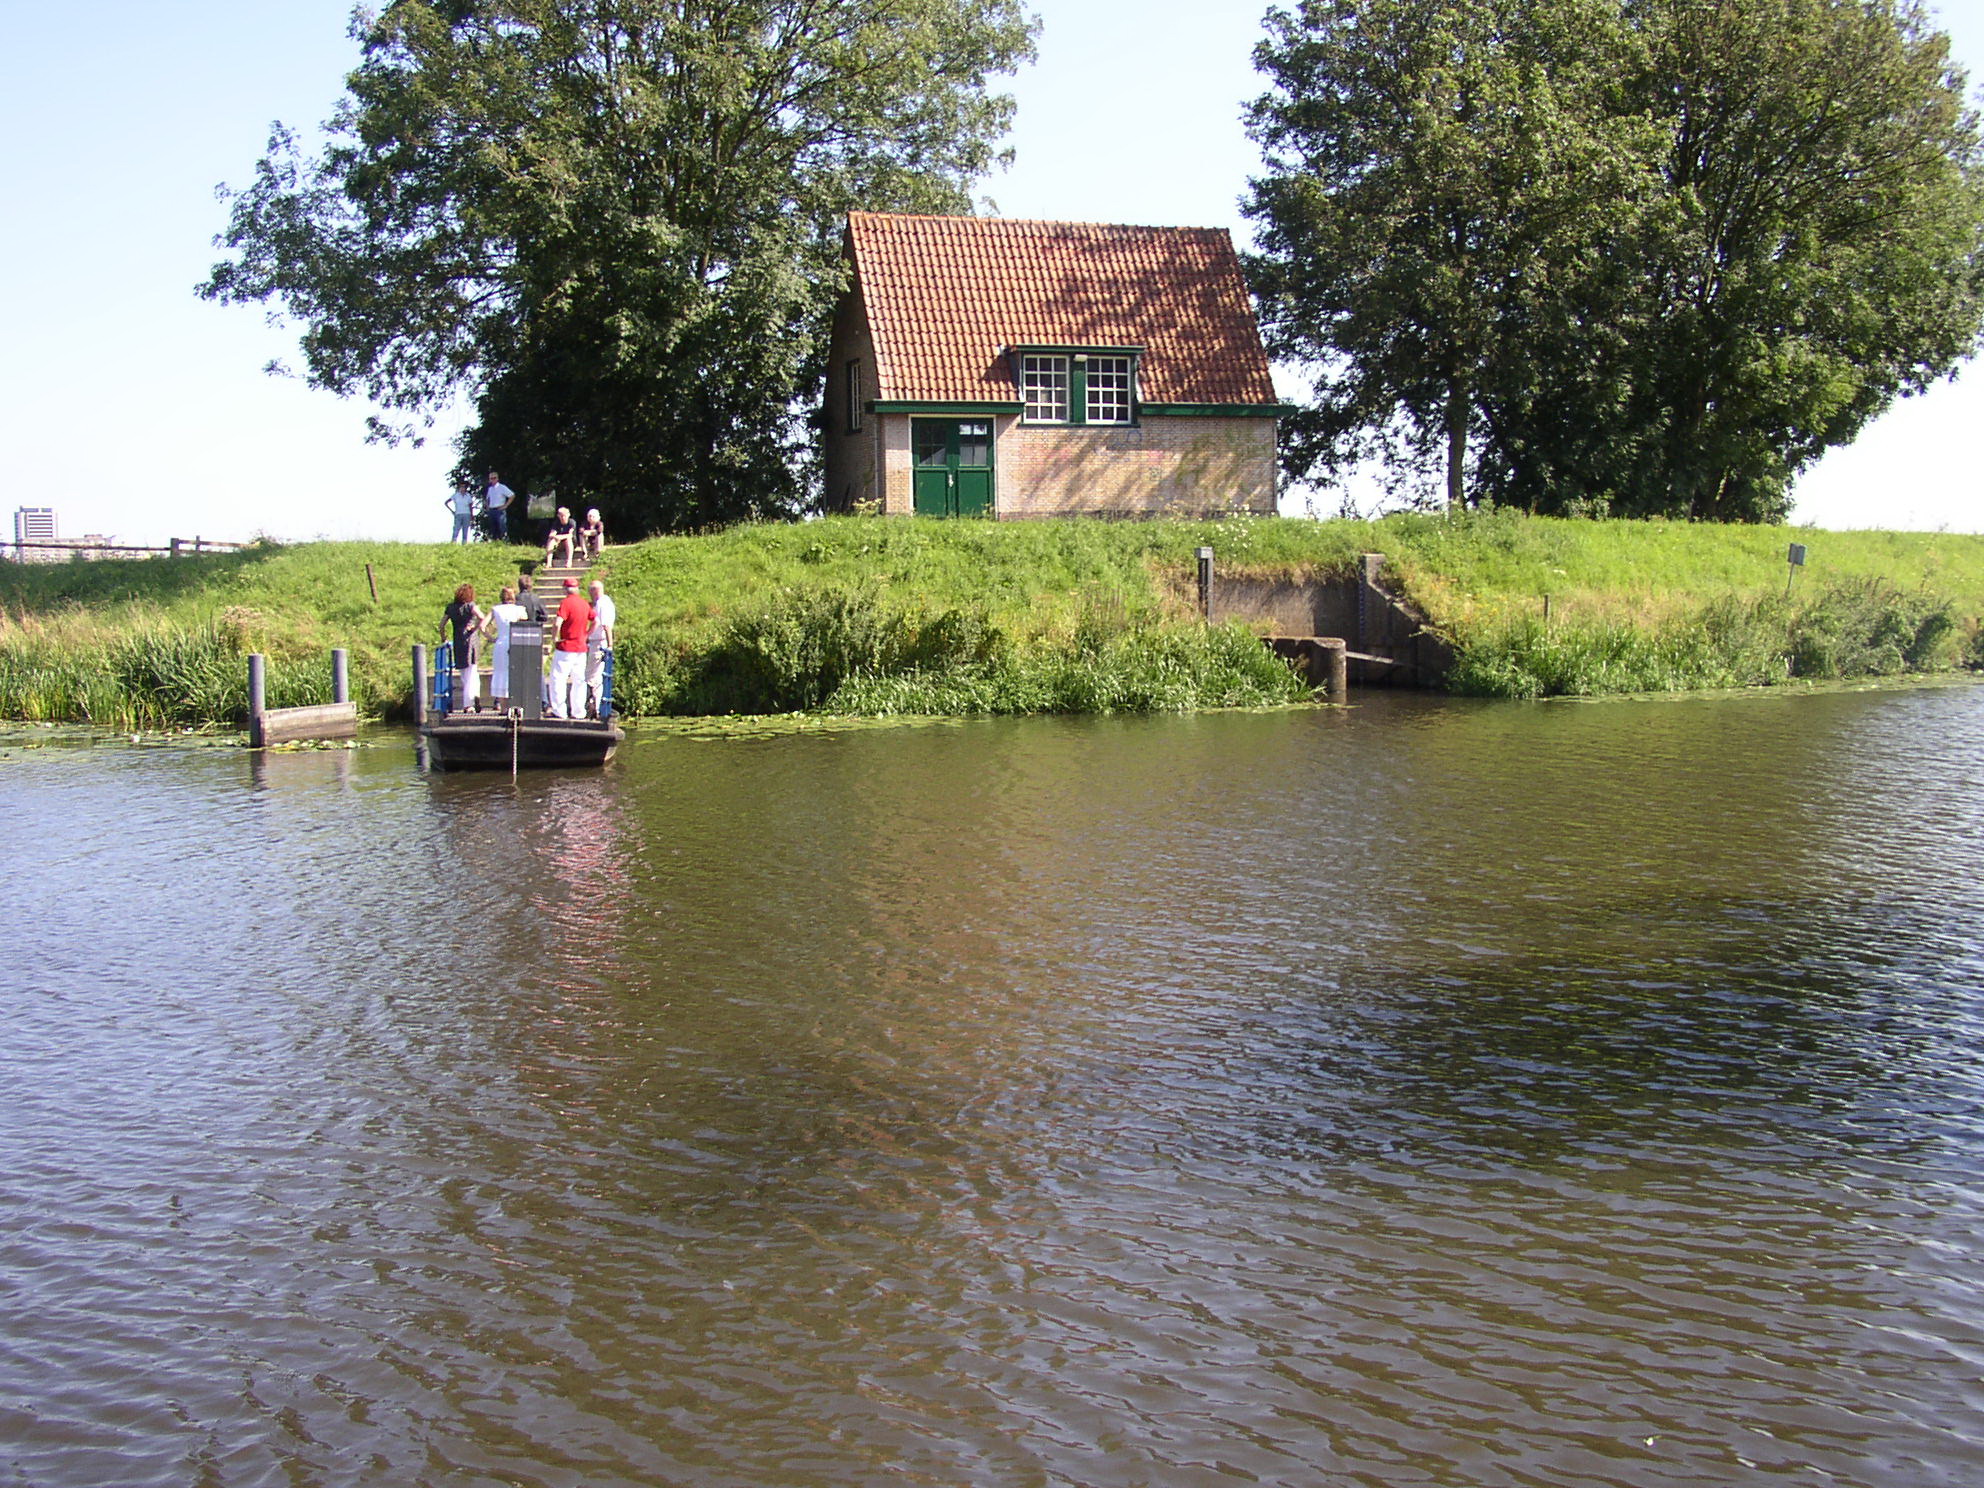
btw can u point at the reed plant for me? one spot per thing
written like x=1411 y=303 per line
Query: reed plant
x=145 y=673
x=1842 y=630
x=850 y=651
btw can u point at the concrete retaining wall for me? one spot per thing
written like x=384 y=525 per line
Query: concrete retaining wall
x=1389 y=641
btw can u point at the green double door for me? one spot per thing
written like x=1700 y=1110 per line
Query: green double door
x=952 y=466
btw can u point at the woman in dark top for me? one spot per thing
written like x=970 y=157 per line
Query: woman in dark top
x=466 y=619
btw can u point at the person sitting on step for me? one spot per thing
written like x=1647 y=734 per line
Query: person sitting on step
x=564 y=533
x=592 y=537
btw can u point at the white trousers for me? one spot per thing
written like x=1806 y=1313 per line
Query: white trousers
x=595 y=673
x=568 y=684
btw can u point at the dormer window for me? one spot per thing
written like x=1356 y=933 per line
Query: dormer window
x=1044 y=388
x=1078 y=387
x=1108 y=389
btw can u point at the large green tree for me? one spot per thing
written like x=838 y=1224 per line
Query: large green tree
x=1436 y=169
x=614 y=224
x=1782 y=230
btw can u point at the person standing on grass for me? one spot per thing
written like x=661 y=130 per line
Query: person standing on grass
x=599 y=641
x=462 y=504
x=466 y=619
x=568 y=662
x=496 y=501
x=507 y=613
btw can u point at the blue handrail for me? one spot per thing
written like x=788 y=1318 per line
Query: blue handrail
x=444 y=678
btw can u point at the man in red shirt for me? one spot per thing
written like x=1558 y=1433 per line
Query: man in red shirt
x=568 y=662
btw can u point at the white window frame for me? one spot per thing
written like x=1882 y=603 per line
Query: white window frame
x=1117 y=403
x=1044 y=388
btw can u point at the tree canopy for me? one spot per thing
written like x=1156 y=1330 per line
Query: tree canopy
x=1637 y=256
x=615 y=225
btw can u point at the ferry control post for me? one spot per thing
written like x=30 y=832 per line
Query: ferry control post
x=527 y=669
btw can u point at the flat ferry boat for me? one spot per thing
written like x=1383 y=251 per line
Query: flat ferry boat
x=507 y=741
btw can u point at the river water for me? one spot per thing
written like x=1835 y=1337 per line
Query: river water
x=1420 y=1093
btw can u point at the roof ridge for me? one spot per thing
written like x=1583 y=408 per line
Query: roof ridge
x=1032 y=221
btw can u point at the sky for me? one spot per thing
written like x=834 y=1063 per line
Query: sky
x=143 y=413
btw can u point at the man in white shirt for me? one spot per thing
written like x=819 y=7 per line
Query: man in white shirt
x=496 y=501
x=599 y=641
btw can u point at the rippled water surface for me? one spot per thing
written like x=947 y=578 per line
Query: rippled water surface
x=1420 y=1094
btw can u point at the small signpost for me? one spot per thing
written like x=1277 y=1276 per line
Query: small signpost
x=1796 y=558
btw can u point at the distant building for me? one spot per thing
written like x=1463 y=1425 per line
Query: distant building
x=987 y=367
x=35 y=539
x=34 y=524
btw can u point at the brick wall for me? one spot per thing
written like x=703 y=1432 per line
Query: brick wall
x=1163 y=466
x=892 y=460
x=852 y=462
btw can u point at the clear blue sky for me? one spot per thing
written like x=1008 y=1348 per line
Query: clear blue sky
x=138 y=411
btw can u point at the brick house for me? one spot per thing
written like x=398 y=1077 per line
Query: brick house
x=986 y=367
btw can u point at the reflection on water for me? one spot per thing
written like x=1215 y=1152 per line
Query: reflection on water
x=1424 y=1094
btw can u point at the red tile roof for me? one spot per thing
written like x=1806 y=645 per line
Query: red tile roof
x=946 y=295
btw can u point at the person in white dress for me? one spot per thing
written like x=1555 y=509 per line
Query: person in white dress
x=506 y=613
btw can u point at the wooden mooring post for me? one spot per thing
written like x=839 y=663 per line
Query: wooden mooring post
x=420 y=684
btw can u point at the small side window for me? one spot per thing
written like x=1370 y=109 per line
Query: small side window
x=854 y=395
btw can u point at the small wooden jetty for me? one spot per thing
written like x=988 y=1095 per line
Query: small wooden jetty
x=337 y=719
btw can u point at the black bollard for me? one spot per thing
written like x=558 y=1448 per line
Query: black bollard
x=257 y=702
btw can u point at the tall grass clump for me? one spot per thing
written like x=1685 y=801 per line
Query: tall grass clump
x=851 y=652
x=153 y=675
x=1845 y=630
x=1874 y=629
x=790 y=653
x=1143 y=670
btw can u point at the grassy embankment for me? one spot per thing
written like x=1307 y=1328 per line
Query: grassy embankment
x=867 y=615
x=1675 y=606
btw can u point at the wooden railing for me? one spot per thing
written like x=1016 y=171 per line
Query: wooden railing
x=176 y=546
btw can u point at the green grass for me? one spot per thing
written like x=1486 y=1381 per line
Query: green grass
x=1867 y=629
x=1490 y=566
x=888 y=616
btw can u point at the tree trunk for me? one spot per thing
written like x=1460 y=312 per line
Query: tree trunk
x=1457 y=406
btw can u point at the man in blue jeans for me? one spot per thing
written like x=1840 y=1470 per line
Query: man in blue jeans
x=462 y=504
x=496 y=501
